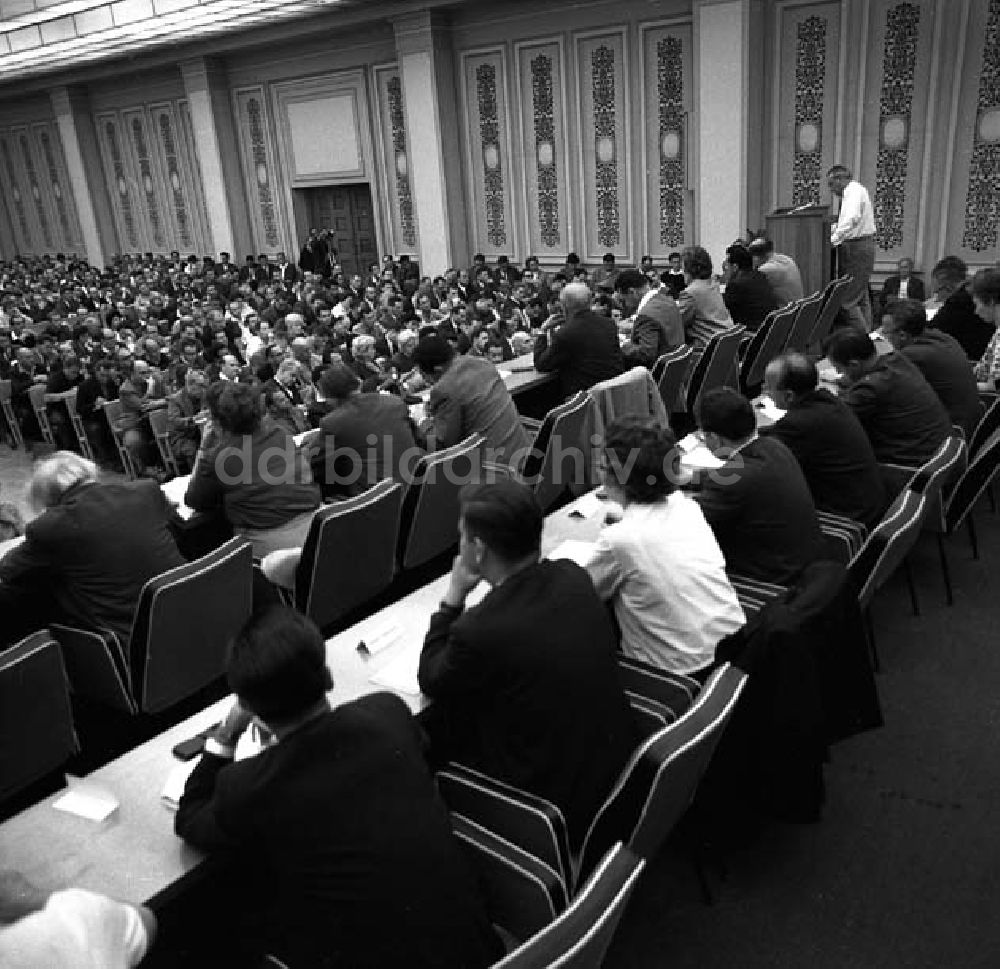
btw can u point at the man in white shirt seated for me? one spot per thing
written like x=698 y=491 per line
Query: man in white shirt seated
x=69 y=929
x=660 y=565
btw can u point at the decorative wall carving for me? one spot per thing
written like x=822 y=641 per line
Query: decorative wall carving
x=672 y=147
x=35 y=189
x=120 y=186
x=400 y=166
x=546 y=152
x=810 y=83
x=896 y=102
x=982 y=202
x=602 y=78
x=175 y=181
x=16 y=194
x=140 y=146
x=52 y=167
x=263 y=175
x=489 y=136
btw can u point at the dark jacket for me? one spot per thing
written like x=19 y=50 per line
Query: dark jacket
x=657 y=329
x=942 y=361
x=95 y=550
x=899 y=411
x=762 y=513
x=890 y=290
x=531 y=676
x=253 y=492
x=346 y=463
x=583 y=351
x=835 y=455
x=958 y=318
x=749 y=298
x=343 y=820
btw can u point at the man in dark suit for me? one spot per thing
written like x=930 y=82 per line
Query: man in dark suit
x=902 y=284
x=184 y=425
x=748 y=296
x=939 y=357
x=957 y=315
x=527 y=678
x=758 y=503
x=830 y=445
x=898 y=409
x=340 y=817
x=585 y=349
x=656 y=321
x=85 y=559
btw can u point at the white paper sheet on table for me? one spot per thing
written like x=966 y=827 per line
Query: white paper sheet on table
x=86 y=799
x=177 y=780
x=700 y=458
x=575 y=551
x=400 y=674
x=588 y=506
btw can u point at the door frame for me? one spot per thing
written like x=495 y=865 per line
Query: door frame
x=300 y=211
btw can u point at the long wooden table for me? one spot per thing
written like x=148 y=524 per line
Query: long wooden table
x=134 y=855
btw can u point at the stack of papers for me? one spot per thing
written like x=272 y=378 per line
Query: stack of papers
x=399 y=675
x=87 y=799
x=174 y=490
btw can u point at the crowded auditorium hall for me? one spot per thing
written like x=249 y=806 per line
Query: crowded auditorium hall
x=499 y=484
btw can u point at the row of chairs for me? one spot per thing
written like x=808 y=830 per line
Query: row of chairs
x=732 y=358
x=519 y=844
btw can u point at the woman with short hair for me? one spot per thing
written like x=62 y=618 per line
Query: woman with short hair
x=703 y=311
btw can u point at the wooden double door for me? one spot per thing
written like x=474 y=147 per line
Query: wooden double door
x=348 y=211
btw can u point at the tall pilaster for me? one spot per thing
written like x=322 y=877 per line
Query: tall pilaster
x=71 y=107
x=215 y=139
x=722 y=78
x=426 y=67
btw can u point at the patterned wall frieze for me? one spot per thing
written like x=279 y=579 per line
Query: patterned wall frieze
x=261 y=171
x=400 y=165
x=982 y=202
x=15 y=194
x=546 y=153
x=672 y=148
x=34 y=188
x=489 y=139
x=602 y=78
x=120 y=188
x=191 y=165
x=59 y=186
x=896 y=102
x=147 y=180
x=810 y=84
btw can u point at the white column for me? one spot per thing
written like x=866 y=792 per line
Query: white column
x=426 y=72
x=215 y=140
x=721 y=32
x=83 y=167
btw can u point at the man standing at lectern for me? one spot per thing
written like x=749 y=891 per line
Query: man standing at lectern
x=854 y=238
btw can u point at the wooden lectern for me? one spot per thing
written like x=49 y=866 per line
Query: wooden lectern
x=804 y=234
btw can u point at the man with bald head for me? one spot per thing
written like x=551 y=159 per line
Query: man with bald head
x=584 y=350
x=827 y=440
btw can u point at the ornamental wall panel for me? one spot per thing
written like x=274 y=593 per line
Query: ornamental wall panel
x=394 y=158
x=541 y=101
x=488 y=154
x=893 y=124
x=667 y=87
x=605 y=135
x=27 y=237
x=58 y=187
x=805 y=93
x=122 y=186
x=261 y=177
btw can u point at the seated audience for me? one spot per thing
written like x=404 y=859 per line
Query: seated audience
x=286 y=398
x=938 y=356
x=141 y=392
x=69 y=928
x=656 y=321
x=468 y=395
x=86 y=557
x=748 y=296
x=702 y=308
x=986 y=297
x=660 y=565
x=902 y=284
x=781 y=271
x=901 y=414
x=186 y=414
x=673 y=277
x=527 y=678
x=758 y=502
x=582 y=347
x=252 y=471
x=827 y=440
x=340 y=815
x=364 y=438
x=957 y=314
